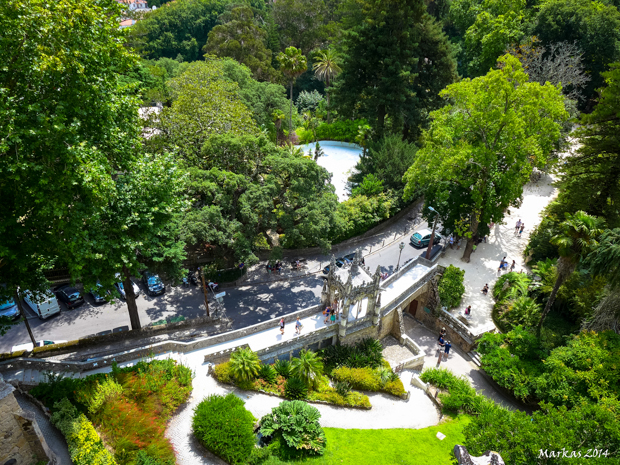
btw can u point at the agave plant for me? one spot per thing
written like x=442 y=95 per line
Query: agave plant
x=308 y=367
x=267 y=373
x=295 y=389
x=283 y=368
x=244 y=364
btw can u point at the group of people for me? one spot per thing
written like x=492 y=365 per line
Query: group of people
x=519 y=227
x=503 y=265
x=444 y=345
x=331 y=313
x=275 y=268
x=298 y=326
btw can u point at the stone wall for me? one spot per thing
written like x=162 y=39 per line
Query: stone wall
x=436 y=324
x=21 y=438
x=386 y=324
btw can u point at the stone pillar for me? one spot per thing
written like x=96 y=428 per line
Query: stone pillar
x=377 y=311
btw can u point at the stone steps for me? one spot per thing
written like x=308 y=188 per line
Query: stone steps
x=475 y=357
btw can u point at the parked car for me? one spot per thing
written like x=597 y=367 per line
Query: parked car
x=153 y=283
x=423 y=237
x=69 y=295
x=9 y=309
x=43 y=306
x=339 y=263
x=29 y=346
x=98 y=295
x=121 y=288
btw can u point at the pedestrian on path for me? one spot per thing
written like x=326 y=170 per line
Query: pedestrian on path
x=468 y=310
x=502 y=264
x=282 y=326
x=517 y=226
x=521 y=229
x=442 y=333
x=327 y=311
x=485 y=289
x=332 y=318
x=447 y=348
x=513 y=266
x=451 y=241
x=298 y=326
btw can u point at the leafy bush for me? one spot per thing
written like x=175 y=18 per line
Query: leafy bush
x=365 y=379
x=244 y=364
x=102 y=392
x=308 y=101
x=223 y=373
x=85 y=445
x=344 y=131
x=296 y=389
x=366 y=353
x=142 y=458
x=57 y=388
x=358 y=214
x=225 y=427
x=307 y=367
x=518 y=284
x=283 y=368
x=268 y=373
x=395 y=387
x=451 y=288
x=342 y=388
x=296 y=426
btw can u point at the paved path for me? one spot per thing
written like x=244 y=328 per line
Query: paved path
x=54 y=438
x=502 y=242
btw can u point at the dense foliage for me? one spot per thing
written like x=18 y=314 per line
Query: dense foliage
x=224 y=426
x=451 y=288
x=366 y=353
x=369 y=379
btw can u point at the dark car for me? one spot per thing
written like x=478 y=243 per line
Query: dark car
x=339 y=263
x=69 y=295
x=153 y=283
x=423 y=237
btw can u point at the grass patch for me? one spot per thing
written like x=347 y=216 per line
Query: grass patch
x=389 y=446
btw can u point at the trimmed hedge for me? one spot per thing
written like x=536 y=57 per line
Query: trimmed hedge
x=225 y=427
x=85 y=445
x=451 y=288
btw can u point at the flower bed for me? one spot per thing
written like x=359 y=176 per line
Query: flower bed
x=130 y=406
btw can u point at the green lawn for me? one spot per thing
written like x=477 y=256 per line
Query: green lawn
x=390 y=446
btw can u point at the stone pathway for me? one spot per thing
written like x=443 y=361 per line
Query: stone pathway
x=393 y=352
x=54 y=438
x=502 y=242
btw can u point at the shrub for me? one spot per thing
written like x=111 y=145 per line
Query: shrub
x=307 y=367
x=342 y=388
x=352 y=399
x=308 y=101
x=396 y=387
x=366 y=353
x=223 y=373
x=85 y=445
x=283 y=368
x=296 y=389
x=365 y=379
x=451 y=287
x=244 y=364
x=225 y=427
x=103 y=392
x=267 y=373
x=57 y=388
x=345 y=131
x=296 y=426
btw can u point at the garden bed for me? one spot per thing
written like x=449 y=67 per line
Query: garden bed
x=130 y=407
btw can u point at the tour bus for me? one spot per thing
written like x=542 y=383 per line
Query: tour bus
x=48 y=307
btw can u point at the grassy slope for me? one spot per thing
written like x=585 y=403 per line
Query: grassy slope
x=391 y=446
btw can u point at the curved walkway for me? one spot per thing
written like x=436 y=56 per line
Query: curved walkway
x=387 y=412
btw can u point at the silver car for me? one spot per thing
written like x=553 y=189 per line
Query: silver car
x=121 y=288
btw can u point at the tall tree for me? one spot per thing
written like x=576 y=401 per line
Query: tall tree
x=301 y=23
x=66 y=129
x=590 y=179
x=481 y=148
x=326 y=68
x=395 y=61
x=579 y=235
x=293 y=64
x=240 y=38
x=595 y=26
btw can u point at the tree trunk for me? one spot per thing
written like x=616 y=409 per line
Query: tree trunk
x=130 y=297
x=290 y=113
x=563 y=272
x=469 y=247
x=381 y=120
x=18 y=301
x=327 y=93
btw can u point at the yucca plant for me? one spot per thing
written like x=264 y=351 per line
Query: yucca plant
x=244 y=364
x=295 y=389
x=308 y=367
x=283 y=368
x=267 y=373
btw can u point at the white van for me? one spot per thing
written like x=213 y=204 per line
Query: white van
x=48 y=307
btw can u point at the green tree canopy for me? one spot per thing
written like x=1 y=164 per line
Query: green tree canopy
x=395 y=61
x=594 y=25
x=66 y=129
x=240 y=38
x=302 y=24
x=176 y=28
x=204 y=103
x=293 y=64
x=480 y=150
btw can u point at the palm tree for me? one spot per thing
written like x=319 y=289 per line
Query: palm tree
x=244 y=364
x=578 y=235
x=293 y=64
x=325 y=69
x=308 y=367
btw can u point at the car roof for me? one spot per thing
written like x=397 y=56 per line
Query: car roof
x=423 y=232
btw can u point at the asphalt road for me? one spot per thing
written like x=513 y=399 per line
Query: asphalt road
x=245 y=305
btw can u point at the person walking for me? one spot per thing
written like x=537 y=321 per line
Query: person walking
x=442 y=333
x=468 y=310
x=502 y=264
x=447 y=348
x=327 y=312
x=451 y=241
x=485 y=289
x=513 y=266
x=332 y=318
x=517 y=226
x=298 y=326
x=521 y=229
x=282 y=326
